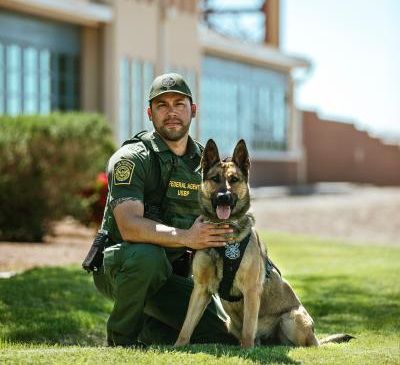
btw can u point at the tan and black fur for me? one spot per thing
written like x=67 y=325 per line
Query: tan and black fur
x=270 y=311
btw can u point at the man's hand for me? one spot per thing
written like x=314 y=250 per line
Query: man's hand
x=205 y=235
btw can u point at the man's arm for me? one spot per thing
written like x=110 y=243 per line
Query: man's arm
x=135 y=228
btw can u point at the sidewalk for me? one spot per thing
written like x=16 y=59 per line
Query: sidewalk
x=363 y=214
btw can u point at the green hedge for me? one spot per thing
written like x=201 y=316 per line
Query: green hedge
x=45 y=164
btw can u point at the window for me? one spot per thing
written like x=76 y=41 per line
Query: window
x=44 y=82
x=31 y=80
x=148 y=76
x=124 y=99
x=137 y=99
x=64 y=74
x=39 y=65
x=2 y=78
x=13 y=79
x=239 y=100
x=135 y=81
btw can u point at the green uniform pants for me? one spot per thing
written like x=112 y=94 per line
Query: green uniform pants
x=150 y=302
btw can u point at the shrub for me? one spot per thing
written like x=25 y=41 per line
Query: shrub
x=45 y=162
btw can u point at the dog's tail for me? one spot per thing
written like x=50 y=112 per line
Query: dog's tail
x=337 y=338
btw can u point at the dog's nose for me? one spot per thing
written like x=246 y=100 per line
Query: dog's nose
x=224 y=198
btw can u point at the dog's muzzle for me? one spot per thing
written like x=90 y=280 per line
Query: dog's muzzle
x=223 y=204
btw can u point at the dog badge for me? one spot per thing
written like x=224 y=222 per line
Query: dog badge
x=232 y=251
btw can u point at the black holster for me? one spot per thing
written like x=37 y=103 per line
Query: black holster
x=94 y=258
x=183 y=265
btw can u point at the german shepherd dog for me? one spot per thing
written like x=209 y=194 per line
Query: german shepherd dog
x=266 y=310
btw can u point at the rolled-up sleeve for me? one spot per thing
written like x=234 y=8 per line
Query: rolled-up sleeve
x=127 y=170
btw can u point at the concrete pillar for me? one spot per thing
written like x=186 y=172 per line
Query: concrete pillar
x=90 y=70
x=162 y=63
x=110 y=95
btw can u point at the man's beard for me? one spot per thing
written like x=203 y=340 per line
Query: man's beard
x=173 y=135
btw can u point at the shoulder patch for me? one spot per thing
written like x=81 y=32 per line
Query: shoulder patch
x=123 y=171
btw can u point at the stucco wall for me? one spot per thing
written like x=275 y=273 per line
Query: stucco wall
x=138 y=32
x=339 y=152
x=264 y=173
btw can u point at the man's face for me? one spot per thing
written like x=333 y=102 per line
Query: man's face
x=171 y=114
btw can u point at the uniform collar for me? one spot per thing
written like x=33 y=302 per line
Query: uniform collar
x=193 y=149
x=157 y=142
x=159 y=145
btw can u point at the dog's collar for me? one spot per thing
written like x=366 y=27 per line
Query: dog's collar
x=236 y=224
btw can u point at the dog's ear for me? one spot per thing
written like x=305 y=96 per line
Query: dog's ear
x=210 y=156
x=241 y=157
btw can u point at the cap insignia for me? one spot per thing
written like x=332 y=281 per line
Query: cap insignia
x=168 y=82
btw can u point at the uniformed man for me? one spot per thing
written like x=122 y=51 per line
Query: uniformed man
x=152 y=219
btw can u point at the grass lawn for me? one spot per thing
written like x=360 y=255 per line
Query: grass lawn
x=54 y=315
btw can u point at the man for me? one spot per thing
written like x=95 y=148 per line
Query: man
x=151 y=219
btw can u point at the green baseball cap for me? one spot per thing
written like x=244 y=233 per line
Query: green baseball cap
x=169 y=83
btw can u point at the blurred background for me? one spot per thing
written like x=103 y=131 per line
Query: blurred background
x=341 y=88
x=313 y=87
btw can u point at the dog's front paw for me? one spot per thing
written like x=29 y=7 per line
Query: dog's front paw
x=181 y=342
x=247 y=343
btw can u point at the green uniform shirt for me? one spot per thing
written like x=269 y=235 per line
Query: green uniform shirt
x=134 y=173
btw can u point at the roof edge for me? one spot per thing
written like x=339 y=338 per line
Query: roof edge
x=215 y=44
x=74 y=11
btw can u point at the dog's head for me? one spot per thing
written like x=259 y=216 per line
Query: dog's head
x=224 y=193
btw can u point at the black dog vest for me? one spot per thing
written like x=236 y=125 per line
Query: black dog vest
x=232 y=255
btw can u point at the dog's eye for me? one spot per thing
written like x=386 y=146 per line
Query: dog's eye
x=216 y=178
x=233 y=179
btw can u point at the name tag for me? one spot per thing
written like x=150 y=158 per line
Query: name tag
x=183 y=189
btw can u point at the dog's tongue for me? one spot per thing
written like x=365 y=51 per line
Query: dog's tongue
x=223 y=211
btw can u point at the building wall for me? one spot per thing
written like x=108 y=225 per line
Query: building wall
x=339 y=152
x=92 y=69
x=264 y=173
x=182 y=41
x=142 y=31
